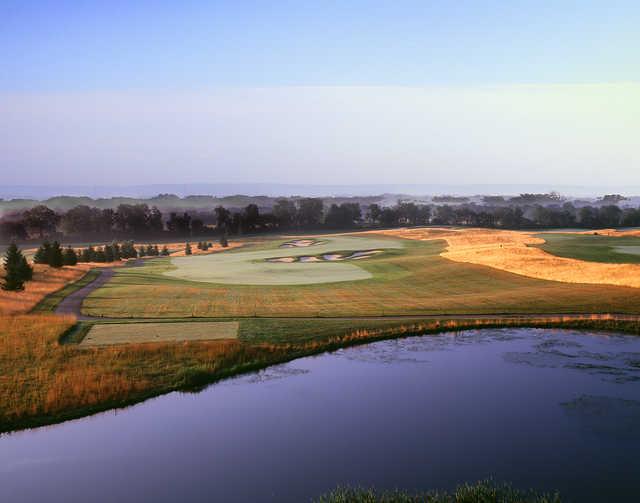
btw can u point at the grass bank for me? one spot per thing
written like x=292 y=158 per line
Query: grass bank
x=481 y=492
x=43 y=381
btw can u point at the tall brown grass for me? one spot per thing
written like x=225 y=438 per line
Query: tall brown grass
x=511 y=251
x=46 y=280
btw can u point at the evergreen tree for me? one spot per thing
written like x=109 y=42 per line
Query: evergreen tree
x=26 y=271
x=187 y=249
x=88 y=254
x=43 y=254
x=128 y=250
x=117 y=254
x=108 y=253
x=15 y=271
x=156 y=251
x=55 y=256
x=142 y=252
x=99 y=255
x=70 y=257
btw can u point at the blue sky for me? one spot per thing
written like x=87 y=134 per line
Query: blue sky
x=320 y=92
x=104 y=45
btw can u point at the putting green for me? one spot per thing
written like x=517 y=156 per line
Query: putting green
x=251 y=267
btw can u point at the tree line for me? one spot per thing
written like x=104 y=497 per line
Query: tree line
x=141 y=221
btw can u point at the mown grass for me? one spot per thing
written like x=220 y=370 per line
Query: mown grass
x=485 y=491
x=590 y=247
x=412 y=281
x=51 y=301
x=43 y=381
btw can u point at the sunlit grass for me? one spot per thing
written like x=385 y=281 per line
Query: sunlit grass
x=413 y=281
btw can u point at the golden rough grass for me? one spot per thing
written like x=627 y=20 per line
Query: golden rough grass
x=125 y=333
x=46 y=280
x=510 y=251
x=39 y=377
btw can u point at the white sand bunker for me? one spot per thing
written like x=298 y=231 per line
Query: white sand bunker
x=299 y=243
x=309 y=259
x=286 y=260
x=278 y=266
x=329 y=257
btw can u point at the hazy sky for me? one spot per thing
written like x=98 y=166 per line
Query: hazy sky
x=320 y=92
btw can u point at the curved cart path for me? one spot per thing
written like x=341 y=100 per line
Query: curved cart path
x=72 y=304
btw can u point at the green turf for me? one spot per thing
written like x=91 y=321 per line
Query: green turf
x=593 y=248
x=250 y=267
x=414 y=280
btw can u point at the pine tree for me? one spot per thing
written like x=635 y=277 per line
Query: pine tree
x=108 y=253
x=99 y=255
x=87 y=254
x=26 y=271
x=187 y=249
x=43 y=254
x=55 y=255
x=117 y=254
x=70 y=257
x=15 y=266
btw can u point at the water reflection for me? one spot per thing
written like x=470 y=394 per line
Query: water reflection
x=550 y=409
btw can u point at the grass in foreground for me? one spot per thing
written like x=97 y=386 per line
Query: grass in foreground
x=413 y=281
x=481 y=492
x=44 y=382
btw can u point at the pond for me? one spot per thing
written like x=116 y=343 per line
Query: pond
x=550 y=409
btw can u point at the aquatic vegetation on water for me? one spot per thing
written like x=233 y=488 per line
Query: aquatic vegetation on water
x=485 y=491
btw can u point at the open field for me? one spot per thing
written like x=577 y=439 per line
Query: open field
x=253 y=267
x=413 y=280
x=125 y=333
x=593 y=247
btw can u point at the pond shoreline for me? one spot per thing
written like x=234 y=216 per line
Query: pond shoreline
x=266 y=356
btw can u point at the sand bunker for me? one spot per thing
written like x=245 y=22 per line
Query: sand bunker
x=309 y=259
x=300 y=243
x=510 y=251
x=331 y=257
x=280 y=266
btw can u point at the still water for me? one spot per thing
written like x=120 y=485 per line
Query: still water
x=548 y=409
